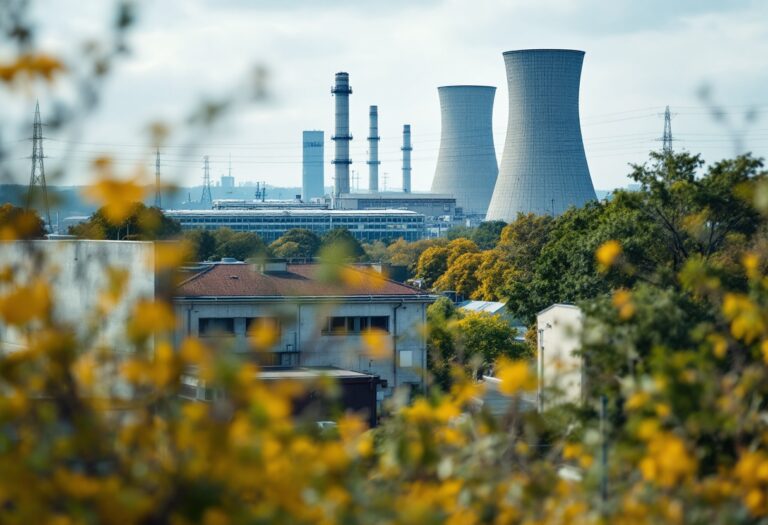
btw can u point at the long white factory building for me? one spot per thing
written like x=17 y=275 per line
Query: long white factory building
x=270 y=224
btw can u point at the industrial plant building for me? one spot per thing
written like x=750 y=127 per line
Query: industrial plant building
x=543 y=167
x=313 y=165
x=466 y=163
x=364 y=225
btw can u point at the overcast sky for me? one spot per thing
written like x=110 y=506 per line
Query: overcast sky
x=640 y=56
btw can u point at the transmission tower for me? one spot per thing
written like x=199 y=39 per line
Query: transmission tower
x=158 y=197
x=37 y=178
x=206 y=199
x=666 y=139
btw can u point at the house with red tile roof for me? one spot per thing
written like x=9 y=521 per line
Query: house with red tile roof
x=280 y=314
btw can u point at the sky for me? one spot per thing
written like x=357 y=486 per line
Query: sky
x=640 y=57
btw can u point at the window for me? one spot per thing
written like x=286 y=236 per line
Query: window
x=216 y=326
x=356 y=324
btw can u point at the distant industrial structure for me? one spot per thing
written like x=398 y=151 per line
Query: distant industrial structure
x=313 y=165
x=341 y=90
x=543 y=170
x=38 y=189
x=206 y=199
x=543 y=167
x=466 y=163
x=406 y=158
x=373 y=149
x=270 y=224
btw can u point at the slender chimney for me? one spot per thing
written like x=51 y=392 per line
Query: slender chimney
x=341 y=91
x=373 y=150
x=407 y=158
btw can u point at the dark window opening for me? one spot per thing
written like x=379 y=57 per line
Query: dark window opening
x=216 y=326
x=356 y=324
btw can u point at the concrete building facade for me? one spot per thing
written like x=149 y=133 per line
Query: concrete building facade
x=560 y=369
x=312 y=165
x=270 y=224
x=314 y=322
x=466 y=163
x=543 y=167
x=77 y=272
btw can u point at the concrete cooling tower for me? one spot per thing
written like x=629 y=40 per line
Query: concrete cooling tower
x=466 y=163
x=543 y=167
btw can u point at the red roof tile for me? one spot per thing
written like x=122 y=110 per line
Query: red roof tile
x=300 y=280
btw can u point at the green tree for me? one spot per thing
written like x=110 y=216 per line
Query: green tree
x=483 y=338
x=341 y=240
x=459 y=232
x=461 y=275
x=441 y=350
x=487 y=234
x=298 y=243
x=696 y=214
x=239 y=245
x=25 y=224
x=143 y=223
x=432 y=263
x=203 y=243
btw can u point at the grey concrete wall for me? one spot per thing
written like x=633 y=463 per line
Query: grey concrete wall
x=77 y=272
x=303 y=331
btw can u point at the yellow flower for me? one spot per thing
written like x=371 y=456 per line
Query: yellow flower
x=118 y=197
x=151 y=317
x=607 y=254
x=637 y=400
x=377 y=344
x=667 y=462
x=515 y=376
x=622 y=301
x=26 y=303
x=751 y=263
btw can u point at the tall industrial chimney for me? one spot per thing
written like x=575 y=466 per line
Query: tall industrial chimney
x=466 y=163
x=373 y=150
x=407 y=158
x=543 y=168
x=342 y=137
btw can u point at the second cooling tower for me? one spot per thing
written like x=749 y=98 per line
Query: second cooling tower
x=543 y=167
x=466 y=163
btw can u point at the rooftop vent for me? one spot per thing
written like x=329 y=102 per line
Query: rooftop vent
x=272 y=266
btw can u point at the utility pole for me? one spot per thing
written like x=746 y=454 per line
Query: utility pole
x=37 y=177
x=158 y=197
x=206 y=198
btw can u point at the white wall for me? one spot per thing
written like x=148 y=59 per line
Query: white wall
x=76 y=271
x=559 y=370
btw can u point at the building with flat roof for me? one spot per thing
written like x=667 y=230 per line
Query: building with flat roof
x=439 y=210
x=315 y=319
x=270 y=224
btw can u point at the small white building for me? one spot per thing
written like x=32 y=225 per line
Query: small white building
x=560 y=369
x=362 y=322
x=78 y=274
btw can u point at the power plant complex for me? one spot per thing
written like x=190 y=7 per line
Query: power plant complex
x=543 y=166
